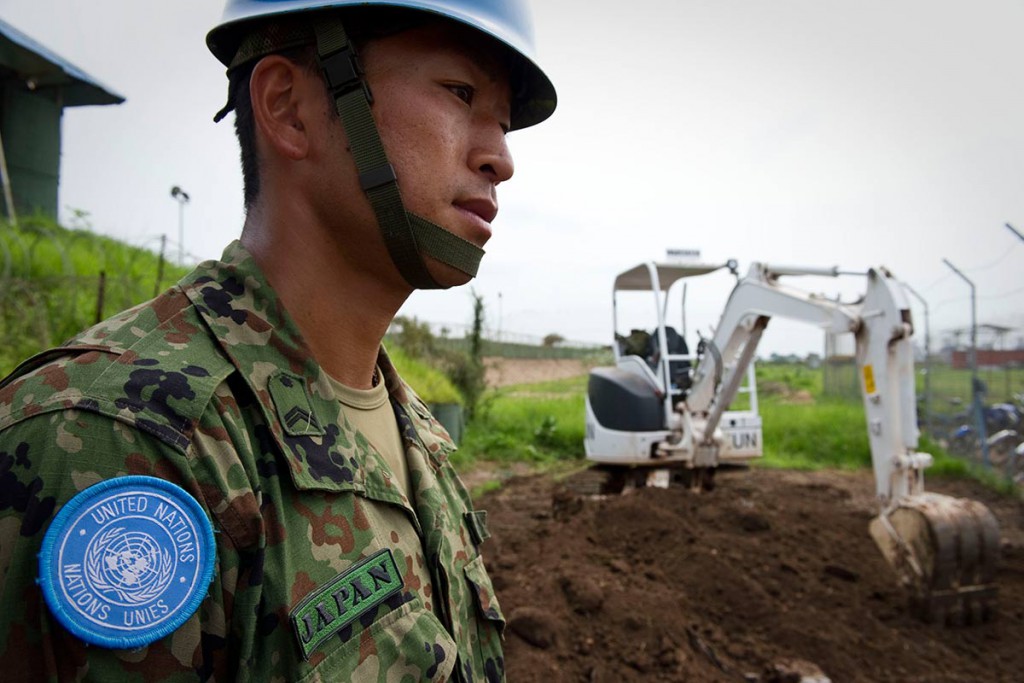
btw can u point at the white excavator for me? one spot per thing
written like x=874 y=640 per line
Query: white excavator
x=662 y=415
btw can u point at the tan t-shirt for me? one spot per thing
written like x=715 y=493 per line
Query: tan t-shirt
x=370 y=412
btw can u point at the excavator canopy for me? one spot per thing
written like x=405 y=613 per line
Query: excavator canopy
x=638 y=278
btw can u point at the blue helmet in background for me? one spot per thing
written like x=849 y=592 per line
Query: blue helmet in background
x=507 y=21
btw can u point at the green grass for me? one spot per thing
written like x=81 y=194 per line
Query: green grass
x=946 y=464
x=832 y=432
x=537 y=423
x=826 y=433
x=788 y=377
x=50 y=282
x=431 y=384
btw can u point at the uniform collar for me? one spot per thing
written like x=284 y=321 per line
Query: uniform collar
x=259 y=337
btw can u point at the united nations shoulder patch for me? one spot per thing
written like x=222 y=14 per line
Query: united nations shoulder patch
x=127 y=561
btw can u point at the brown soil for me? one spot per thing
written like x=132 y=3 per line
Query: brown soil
x=771 y=573
x=505 y=371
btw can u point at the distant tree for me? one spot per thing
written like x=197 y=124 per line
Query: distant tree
x=552 y=340
x=415 y=337
x=79 y=219
x=464 y=367
x=476 y=337
x=467 y=371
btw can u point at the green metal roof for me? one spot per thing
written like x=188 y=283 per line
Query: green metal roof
x=36 y=64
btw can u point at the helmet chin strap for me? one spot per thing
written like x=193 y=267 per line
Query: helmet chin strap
x=408 y=237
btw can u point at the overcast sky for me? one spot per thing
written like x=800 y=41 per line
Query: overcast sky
x=814 y=132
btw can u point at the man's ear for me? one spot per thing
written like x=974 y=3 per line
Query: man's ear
x=277 y=88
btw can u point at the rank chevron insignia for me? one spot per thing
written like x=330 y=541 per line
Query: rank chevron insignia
x=298 y=417
x=291 y=401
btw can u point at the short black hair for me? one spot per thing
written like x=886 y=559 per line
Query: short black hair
x=245 y=130
x=245 y=124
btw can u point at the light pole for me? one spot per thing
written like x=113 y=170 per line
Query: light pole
x=979 y=419
x=499 y=317
x=182 y=197
x=927 y=362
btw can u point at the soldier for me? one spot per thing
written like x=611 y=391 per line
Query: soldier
x=231 y=482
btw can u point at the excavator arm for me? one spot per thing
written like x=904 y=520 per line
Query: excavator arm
x=881 y=325
x=756 y=299
x=943 y=549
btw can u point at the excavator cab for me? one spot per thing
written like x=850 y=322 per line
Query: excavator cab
x=633 y=407
x=644 y=344
x=661 y=411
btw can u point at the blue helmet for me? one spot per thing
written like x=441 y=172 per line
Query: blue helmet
x=251 y=29
x=507 y=21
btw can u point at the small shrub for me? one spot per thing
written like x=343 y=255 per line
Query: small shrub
x=431 y=384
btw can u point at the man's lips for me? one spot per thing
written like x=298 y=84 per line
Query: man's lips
x=485 y=209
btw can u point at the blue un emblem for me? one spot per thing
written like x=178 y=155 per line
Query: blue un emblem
x=127 y=561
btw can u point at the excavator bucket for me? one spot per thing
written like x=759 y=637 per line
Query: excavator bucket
x=945 y=551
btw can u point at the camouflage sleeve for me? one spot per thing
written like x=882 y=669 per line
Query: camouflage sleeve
x=296 y=593
x=45 y=461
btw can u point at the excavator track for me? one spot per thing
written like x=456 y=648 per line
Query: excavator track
x=946 y=551
x=596 y=480
x=611 y=480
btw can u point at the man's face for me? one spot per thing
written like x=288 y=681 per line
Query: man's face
x=442 y=102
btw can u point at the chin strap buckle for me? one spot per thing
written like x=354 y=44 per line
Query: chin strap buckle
x=344 y=73
x=375 y=177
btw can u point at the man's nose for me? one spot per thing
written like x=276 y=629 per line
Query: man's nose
x=491 y=155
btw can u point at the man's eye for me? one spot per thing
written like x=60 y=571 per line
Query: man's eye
x=462 y=91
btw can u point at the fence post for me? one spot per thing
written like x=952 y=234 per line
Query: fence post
x=160 y=265
x=979 y=419
x=5 y=178
x=100 y=294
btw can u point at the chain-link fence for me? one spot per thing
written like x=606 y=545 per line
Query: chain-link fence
x=990 y=434
x=989 y=430
x=56 y=282
x=502 y=343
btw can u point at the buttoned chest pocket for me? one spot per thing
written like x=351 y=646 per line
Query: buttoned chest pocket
x=408 y=643
x=352 y=573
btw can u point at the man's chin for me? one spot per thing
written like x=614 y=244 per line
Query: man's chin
x=446 y=276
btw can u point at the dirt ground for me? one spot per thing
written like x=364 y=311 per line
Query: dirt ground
x=771 y=573
x=505 y=371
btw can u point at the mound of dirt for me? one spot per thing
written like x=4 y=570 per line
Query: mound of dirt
x=770 y=577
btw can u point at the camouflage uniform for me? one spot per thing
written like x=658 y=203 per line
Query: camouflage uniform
x=211 y=387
